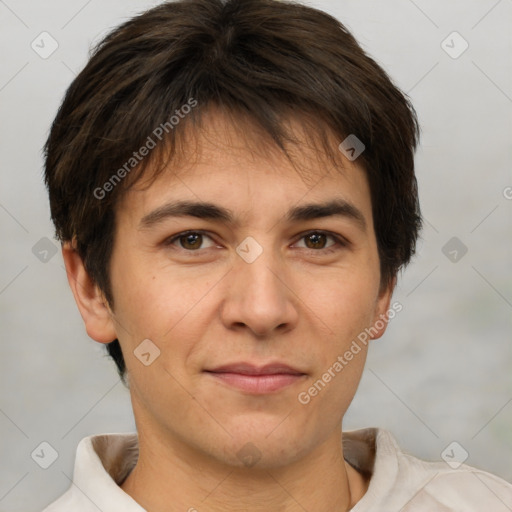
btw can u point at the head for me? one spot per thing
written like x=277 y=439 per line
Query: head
x=244 y=106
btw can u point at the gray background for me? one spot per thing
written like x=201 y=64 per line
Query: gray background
x=441 y=373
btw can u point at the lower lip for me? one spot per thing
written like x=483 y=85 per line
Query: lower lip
x=258 y=384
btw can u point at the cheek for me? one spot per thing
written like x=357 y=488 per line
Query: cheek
x=170 y=309
x=140 y=307
x=345 y=303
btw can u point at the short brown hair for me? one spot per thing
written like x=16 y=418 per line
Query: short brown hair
x=259 y=59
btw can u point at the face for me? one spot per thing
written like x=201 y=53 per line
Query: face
x=247 y=303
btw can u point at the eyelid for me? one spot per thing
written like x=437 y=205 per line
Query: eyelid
x=173 y=238
x=340 y=240
x=336 y=236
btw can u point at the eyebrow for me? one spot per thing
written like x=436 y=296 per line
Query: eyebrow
x=209 y=211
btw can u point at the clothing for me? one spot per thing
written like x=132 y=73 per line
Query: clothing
x=399 y=482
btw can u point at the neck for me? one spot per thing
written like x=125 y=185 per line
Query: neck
x=170 y=477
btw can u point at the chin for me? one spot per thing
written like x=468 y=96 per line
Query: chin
x=264 y=442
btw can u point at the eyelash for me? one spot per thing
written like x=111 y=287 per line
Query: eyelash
x=340 y=242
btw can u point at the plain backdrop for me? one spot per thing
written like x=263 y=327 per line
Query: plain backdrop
x=441 y=373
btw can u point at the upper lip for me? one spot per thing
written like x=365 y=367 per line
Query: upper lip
x=252 y=369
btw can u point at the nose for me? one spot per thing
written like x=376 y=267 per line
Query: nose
x=260 y=296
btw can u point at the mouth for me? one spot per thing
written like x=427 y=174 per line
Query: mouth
x=255 y=379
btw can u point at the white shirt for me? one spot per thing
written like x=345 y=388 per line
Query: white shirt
x=399 y=482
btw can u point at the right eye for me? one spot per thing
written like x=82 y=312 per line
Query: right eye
x=189 y=241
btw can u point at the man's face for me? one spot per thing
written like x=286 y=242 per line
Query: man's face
x=247 y=313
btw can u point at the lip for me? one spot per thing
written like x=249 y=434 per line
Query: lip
x=252 y=369
x=256 y=379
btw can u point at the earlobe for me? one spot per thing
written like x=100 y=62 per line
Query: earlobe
x=381 y=317
x=91 y=303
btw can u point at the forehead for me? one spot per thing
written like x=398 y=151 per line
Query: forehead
x=231 y=160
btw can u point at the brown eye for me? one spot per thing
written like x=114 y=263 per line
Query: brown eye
x=315 y=240
x=191 y=240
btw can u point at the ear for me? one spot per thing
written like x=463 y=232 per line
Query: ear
x=91 y=302
x=381 y=319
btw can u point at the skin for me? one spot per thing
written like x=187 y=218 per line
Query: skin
x=206 y=306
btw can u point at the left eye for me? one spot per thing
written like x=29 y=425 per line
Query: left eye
x=315 y=238
x=191 y=241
